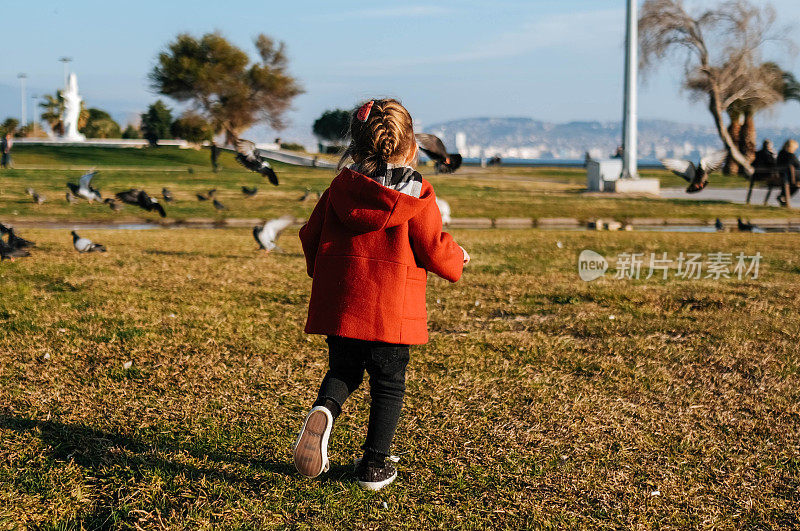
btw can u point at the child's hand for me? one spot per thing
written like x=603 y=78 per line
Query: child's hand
x=466 y=255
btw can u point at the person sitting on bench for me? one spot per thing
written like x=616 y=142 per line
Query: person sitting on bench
x=765 y=163
x=789 y=166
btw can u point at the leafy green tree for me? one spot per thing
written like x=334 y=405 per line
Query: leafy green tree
x=100 y=125
x=333 y=126
x=192 y=127
x=9 y=125
x=131 y=132
x=156 y=122
x=218 y=80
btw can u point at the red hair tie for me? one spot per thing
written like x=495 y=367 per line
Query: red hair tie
x=364 y=110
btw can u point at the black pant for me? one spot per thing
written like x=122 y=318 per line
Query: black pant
x=386 y=364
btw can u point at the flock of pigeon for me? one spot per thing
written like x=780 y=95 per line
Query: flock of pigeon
x=15 y=246
x=246 y=155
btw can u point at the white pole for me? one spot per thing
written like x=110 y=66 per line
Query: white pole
x=23 y=111
x=630 y=113
x=66 y=61
x=33 y=112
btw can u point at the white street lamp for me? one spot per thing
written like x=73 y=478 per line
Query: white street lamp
x=23 y=114
x=630 y=109
x=66 y=61
x=34 y=97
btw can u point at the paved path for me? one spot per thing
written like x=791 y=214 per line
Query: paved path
x=734 y=195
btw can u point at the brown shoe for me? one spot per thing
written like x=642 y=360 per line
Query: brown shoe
x=311 y=448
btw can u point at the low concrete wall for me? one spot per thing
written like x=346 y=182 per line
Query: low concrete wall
x=102 y=142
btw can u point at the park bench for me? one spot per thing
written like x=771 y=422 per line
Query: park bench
x=778 y=178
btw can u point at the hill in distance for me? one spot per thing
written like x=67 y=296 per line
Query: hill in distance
x=529 y=138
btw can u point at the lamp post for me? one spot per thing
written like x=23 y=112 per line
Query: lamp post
x=24 y=118
x=630 y=168
x=66 y=61
x=34 y=97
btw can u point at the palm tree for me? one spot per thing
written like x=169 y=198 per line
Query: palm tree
x=53 y=112
x=791 y=87
x=742 y=112
x=721 y=48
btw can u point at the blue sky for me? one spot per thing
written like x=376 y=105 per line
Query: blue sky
x=548 y=60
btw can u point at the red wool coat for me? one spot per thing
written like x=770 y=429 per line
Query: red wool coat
x=368 y=249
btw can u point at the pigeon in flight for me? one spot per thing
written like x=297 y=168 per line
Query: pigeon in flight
x=309 y=195
x=747 y=227
x=141 y=199
x=14 y=241
x=85 y=245
x=247 y=156
x=167 y=195
x=434 y=147
x=206 y=197
x=219 y=206
x=696 y=175
x=130 y=197
x=266 y=235
x=150 y=203
x=17 y=242
x=444 y=210
x=9 y=253
x=84 y=188
x=249 y=192
x=112 y=203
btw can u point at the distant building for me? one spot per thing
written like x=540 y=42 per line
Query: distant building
x=461 y=142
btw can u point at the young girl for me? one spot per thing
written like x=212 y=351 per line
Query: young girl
x=369 y=244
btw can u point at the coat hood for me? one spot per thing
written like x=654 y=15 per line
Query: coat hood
x=363 y=205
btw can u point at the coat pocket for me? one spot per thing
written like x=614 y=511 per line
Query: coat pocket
x=414 y=300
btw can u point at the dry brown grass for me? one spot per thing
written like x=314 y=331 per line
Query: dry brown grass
x=529 y=407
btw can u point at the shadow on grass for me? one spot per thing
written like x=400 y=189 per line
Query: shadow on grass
x=107 y=453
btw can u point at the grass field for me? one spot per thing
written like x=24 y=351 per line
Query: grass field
x=472 y=192
x=161 y=384
x=529 y=406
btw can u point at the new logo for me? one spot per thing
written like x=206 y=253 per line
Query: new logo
x=591 y=265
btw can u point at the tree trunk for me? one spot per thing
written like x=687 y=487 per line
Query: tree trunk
x=748 y=139
x=734 y=130
x=716 y=111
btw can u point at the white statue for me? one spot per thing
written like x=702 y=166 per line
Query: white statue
x=72 y=110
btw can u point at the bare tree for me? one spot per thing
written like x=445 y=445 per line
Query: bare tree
x=722 y=51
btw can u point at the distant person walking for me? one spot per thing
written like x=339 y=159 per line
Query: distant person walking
x=5 y=148
x=214 y=157
x=789 y=167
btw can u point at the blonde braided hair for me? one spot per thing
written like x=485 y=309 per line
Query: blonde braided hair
x=386 y=136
